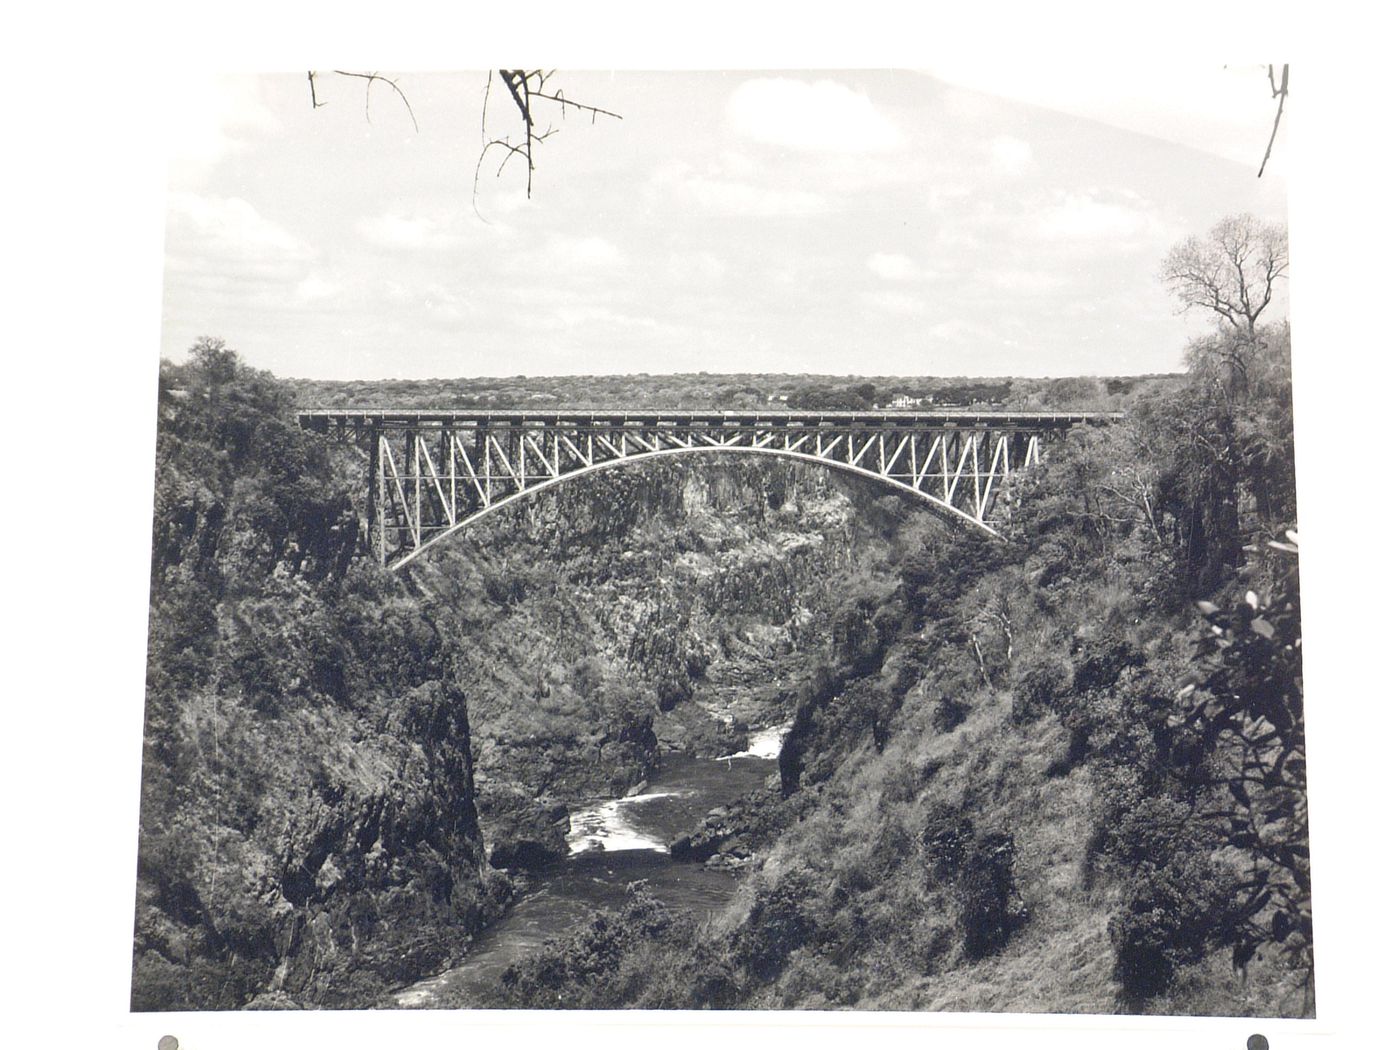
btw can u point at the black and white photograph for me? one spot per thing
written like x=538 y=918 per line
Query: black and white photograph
x=724 y=540
x=804 y=545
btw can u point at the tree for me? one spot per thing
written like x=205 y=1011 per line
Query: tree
x=1239 y=725
x=1231 y=272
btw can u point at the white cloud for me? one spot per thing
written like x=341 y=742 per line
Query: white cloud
x=313 y=288
x=1088 y=217
x=893 y=266
x=223 y=241
x=574 y=316
x=225 y=223
x=958 y=330
x=895 y=302
x=1200 y=104
x=1026 y=282
x=896 y=266
x=695 y=266
x=940 y=197
x=1011 y=156
x=396 y=231
x=210 y=117
x=583 y=253
x=727 y=197
x=821 y=115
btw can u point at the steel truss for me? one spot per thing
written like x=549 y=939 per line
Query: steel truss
x=434 y=473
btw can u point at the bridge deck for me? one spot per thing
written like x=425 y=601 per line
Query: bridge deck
x=322 y=420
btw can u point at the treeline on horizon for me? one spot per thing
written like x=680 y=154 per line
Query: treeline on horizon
x=732 y=391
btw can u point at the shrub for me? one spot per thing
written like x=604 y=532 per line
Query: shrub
x=1168 y=918
x=947 y=835
x=780 y=922
x=990 y=908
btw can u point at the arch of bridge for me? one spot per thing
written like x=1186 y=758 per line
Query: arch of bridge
x=960 y=516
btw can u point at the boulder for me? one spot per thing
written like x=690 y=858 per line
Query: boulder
x=525 y=833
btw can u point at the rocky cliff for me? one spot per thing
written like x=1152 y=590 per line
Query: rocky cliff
x=308 y=826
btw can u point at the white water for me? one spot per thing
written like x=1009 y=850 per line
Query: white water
x=631 y=836
x=766 y=743
x=608 y=826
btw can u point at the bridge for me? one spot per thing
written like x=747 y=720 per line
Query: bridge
x=433 y=473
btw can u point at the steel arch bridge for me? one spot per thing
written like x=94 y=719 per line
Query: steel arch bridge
x=433 y=473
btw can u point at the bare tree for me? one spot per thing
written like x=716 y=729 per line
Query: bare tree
x=1232 y=272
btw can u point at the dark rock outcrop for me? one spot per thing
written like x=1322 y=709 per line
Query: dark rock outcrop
x=525 y=834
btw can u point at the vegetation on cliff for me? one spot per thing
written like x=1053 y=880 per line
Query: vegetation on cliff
x=308 y=833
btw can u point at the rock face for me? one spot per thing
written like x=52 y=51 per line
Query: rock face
x=525 y=834
x=308 y=827
x=309 y=824
x=368 y=884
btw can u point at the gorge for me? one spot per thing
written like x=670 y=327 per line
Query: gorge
x=373 y=789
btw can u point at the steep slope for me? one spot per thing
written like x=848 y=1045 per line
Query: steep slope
x=308 y=831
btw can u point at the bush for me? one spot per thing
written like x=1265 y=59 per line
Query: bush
x=1168 y=918
x=780 y=922
x=947 y=835
x=990 y=908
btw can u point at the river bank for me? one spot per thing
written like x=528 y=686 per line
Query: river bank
x=613 y=843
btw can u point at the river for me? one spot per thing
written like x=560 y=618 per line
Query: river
x=613 y=842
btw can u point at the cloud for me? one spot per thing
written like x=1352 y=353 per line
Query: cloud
x=957 y=330
x=695 y=266
x=895 y=266
x=820 y=116
x=396 y=231
x=895 y=302
x=1089 y=217
x=892 y=266
x=211 y=117
x=1011 y=156
x=583 y=253
x=227 y=238
x=313 y=288
x=742 y=199
x=939 y=197
x=1024 y=281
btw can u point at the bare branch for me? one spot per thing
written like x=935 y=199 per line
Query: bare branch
x=370 y=79
x=311 y=79
x=1280 y=92
x=526 y=86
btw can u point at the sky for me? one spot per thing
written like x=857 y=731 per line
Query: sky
x=956 y=221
